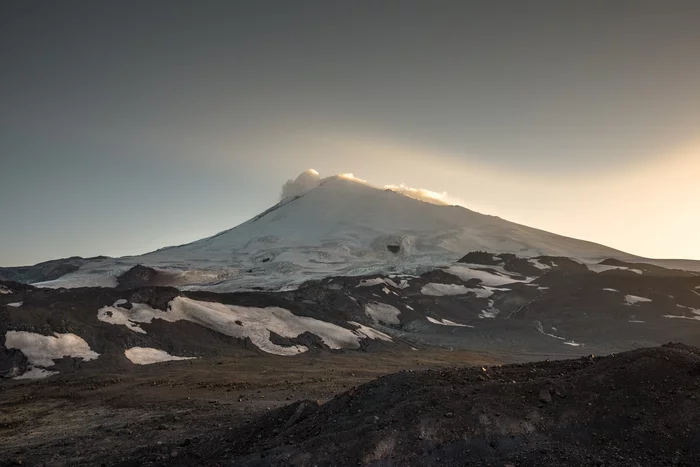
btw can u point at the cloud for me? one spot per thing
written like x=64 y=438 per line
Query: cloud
x=306 y=181
x=352 y=177
x=419 y=193
x=310 y=179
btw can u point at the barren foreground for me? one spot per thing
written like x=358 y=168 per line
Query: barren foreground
x=637 y=408
x=165 y=413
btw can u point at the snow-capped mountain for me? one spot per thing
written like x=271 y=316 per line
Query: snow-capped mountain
x=338 y=226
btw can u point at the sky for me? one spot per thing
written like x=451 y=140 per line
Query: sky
x=128 y=126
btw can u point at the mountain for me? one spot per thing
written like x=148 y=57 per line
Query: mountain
x=337 y=226
x=505 y=306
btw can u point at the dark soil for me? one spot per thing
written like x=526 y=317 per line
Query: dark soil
x=141 y=415
x=638 y=408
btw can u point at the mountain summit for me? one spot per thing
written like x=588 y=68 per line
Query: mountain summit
x=337 y=226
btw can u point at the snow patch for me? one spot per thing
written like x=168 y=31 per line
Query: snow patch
x=540 y=328
x=694 y=318
x=370 y=333
x=36 y=373
x=148 y=355
x=465 y=272
x=371 y=282
x=383 y=313
x=84 y=279
x=16 y=304
x=634 y=299
x=4 y=290
x=598 y=268
x=439 y=290
x=239 y=322
x=489 y=313
x=535 y=262
x=41 y=351
x=695 y=311
x=611 y=290
x=435 y=289
x=486 y=292
x=447 y=322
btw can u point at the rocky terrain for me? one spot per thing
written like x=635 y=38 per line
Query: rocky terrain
x=637 y=408
x=96 y=417
x=142 y=374
x=504 y=305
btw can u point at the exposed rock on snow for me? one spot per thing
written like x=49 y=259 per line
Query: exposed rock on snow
x=41 y=351
x=240 y=322
x=370 y=333
x=468 y=272
x=383 y=313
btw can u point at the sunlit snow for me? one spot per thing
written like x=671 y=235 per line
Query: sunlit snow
x=238 y=321
x=42 y=350
x=148 y=355
x=339 y=227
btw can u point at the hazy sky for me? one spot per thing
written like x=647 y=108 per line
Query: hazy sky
x=128 y=126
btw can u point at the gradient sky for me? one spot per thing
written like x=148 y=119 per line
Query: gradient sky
x=128 y=126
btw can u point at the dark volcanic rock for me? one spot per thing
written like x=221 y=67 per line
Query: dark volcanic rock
x=480 y=257
x=12 y=362
x=155 y=297
x=15 y=287
x=138 y=276
x=634 y=408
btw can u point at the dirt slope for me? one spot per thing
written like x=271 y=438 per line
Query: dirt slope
x=637 y=408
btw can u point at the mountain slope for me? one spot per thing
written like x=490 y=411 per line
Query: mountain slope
x=340 y=227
